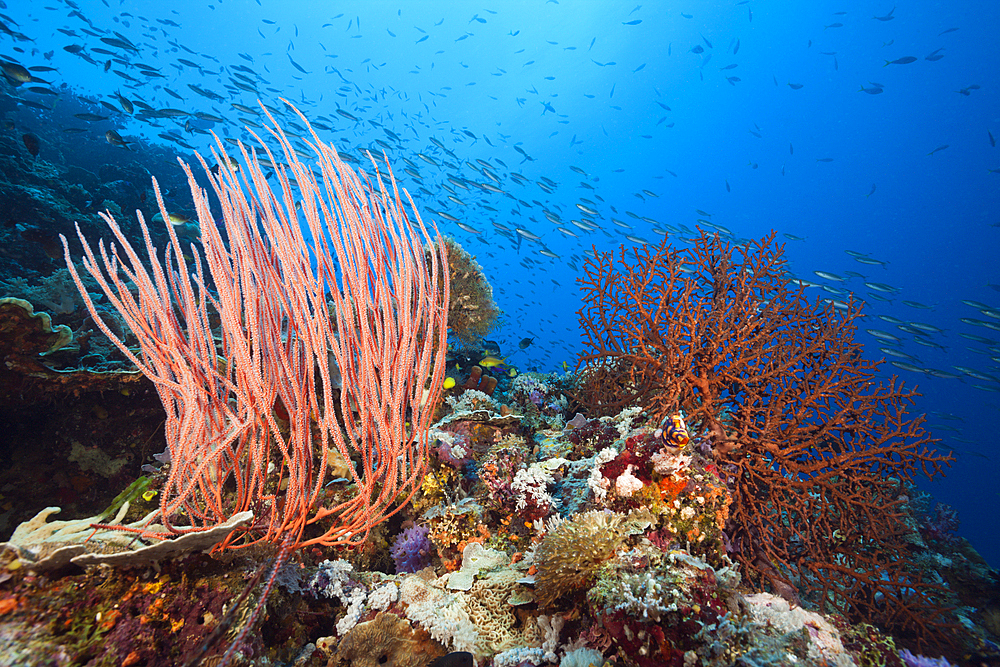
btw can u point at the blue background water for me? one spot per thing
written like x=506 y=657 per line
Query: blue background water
x=491 y=69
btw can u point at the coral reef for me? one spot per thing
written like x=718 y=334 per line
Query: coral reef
x=630 y=513
x=28 y=335
x=46 y=408
x=815 y=451
x=637 y=572
x=48 y=403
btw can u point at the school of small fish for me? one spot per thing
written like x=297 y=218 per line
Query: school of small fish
x=485 y=187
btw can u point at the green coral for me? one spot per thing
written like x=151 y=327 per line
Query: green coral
x=570 y=555
x=870 y=647
x=130 y=495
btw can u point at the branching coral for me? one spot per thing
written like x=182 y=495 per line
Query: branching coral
x=651 y=604
x=531 y=488
x=539 y=398
x=815 y=449
x=453 y=524
x=440 y=613
x=497 y=471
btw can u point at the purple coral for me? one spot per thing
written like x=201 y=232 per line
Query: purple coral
x=456 y=450
x=941 y=524
x=412 y=550
x=922 y=661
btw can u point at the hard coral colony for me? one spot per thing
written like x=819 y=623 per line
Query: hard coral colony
x=720 y=482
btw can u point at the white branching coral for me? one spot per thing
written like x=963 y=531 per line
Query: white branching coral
x=581 y=657
x=471 y=400
x=355 y=603
x=516 y=656
x=337 y=579
x=550 y=628
x=334 y=580
x=440 y=613
x=448 y=440
x=597 y=483
x=531 y=484
x=643 y=594
x=383 y=596
x=526 y=383
x=623 y=420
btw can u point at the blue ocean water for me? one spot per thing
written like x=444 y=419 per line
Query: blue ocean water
x=803 y=118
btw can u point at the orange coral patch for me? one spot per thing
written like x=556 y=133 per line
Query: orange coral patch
x=671 y=488
x=7 y=605
x=108 y=621
x=153 y=612
x=722 y=515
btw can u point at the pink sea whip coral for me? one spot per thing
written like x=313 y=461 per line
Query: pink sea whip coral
x=350 y=306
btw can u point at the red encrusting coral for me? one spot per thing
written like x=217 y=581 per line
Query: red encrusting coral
x=815 y=449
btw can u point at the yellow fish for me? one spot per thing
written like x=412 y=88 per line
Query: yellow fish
x=492 y=362
x=176 y=219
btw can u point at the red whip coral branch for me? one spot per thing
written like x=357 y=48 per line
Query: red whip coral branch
x=815 y=450
x=339 y=325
